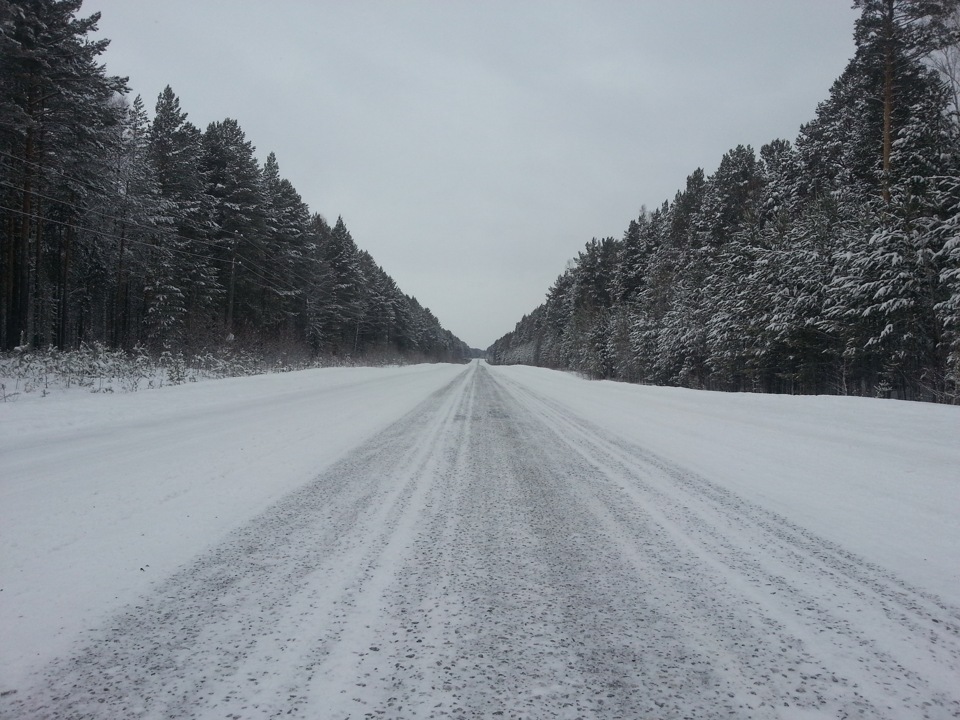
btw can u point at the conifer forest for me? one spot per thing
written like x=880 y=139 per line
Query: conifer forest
x=825 y=264
x=830 y=264
x=155 y=234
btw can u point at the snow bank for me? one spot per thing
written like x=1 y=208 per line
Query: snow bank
x=879 y=477
x=102 y=494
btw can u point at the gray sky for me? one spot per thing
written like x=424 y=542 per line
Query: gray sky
x=474 y=147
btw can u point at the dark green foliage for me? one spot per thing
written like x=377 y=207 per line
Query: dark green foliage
x=127 y=232
x=829 y=266
x=56 y=120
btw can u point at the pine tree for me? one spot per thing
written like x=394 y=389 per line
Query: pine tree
x=344 y=301
x=175 y=152
x=135 y=217
x=948 y=309
x=892 y=37
x=729 y=199
x=233 y=180
x=55 y=107
x=286 y=219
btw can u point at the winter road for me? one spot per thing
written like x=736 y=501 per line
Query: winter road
x=492 y=555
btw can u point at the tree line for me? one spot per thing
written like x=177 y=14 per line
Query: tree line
x=131 y=231
x=826 y=265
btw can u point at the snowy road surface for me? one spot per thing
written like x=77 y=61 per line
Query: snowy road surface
x=494 y=554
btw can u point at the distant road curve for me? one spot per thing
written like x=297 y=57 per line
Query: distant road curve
x=492 y=555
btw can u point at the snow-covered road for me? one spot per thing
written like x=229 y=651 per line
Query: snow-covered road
x=495 y=554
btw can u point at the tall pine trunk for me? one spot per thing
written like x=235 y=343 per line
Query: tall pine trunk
x=887 y=97
x=21 y=331
x=230 y=294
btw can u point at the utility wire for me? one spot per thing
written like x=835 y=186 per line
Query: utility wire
x=145 y=244
x=59 y=171
x=110 y=235
x=275 y=283
x=279 y=280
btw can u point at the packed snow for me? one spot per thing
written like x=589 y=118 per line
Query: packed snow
x=454 y=541
x=102 y=495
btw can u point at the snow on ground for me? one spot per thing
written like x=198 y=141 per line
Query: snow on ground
x=101 y=495
x=439 y=540
x=879 y=477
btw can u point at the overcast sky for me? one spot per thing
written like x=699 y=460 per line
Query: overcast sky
x=474 y=147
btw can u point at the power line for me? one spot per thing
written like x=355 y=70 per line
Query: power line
x=59 y=171
x=102 y=233
x=269 y=283
x=274 y=283
x=273 y=280
x=144 y=244
x=249 y=263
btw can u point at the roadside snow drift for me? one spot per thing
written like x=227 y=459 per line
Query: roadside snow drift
x=441 y=541
x=101 y=495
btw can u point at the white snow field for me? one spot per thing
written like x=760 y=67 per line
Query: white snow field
x=449 y=541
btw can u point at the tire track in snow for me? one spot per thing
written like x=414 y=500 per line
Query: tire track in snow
x=894 y=647
x=491 y=555
x=245 y=629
